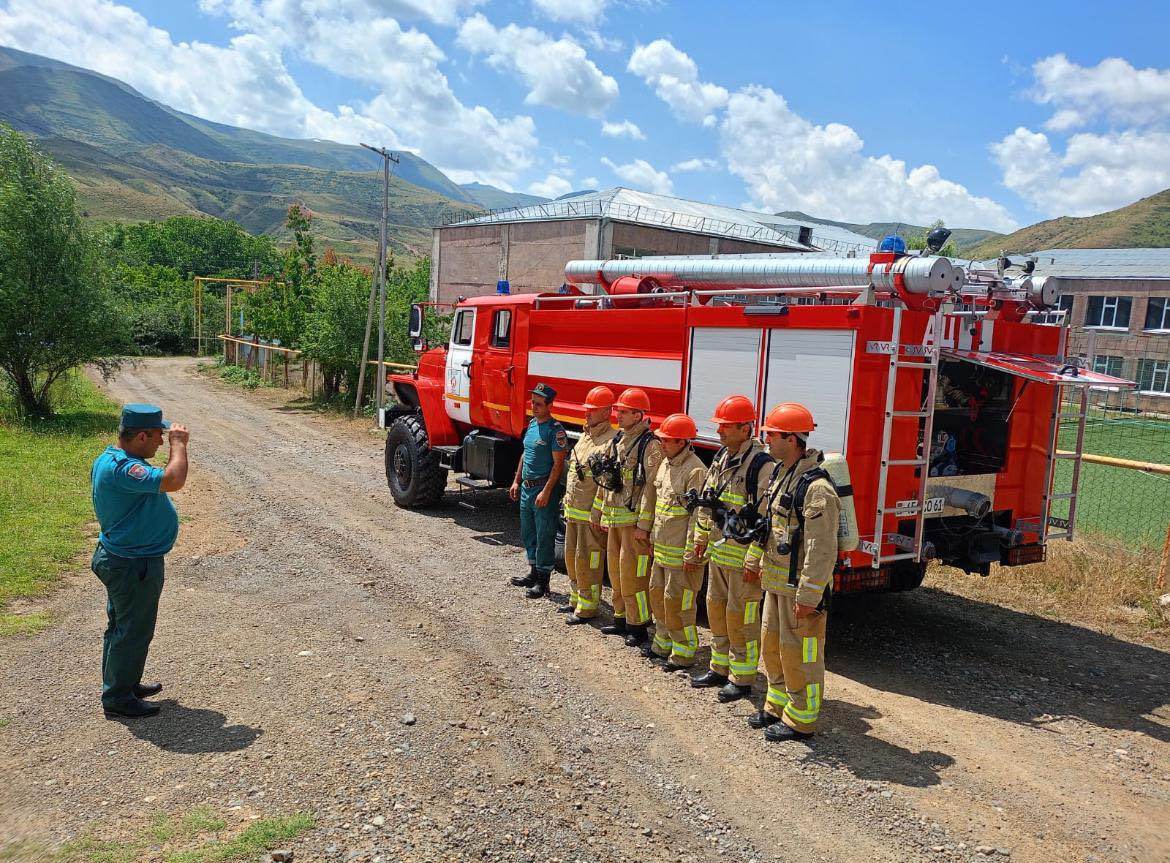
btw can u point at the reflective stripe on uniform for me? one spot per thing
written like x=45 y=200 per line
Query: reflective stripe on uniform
x=643 y=565
x=662 y=640
x=668 y=555
x=573 y=596
x=574 y=514
x=617 y=516
x=594 y=561
x=728 y=554
x=688 y=599
x=751 y=612
x=813 y=710
x=643 y=605
x=810 y=650
x=732 y=498
x=777 y=696
x=591 y=602
x=718 y=658
x=687 y=650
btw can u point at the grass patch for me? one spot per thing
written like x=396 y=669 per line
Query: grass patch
x=200 y=836
x=45 y=493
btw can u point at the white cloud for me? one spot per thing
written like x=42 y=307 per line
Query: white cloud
x=623 y=129
x=590 y=183
x=246 y=82
x=247 y=13
x=1113 y=90
x=694 y=165
x=1097 y=172
x=789 y=163
x=675 y=79
x=641 y=175
x=552 y=186
x=573 y=11
x=558 y=72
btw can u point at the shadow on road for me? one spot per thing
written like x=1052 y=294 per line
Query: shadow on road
x=850 y=746
x=975 y=656
x=191 y=730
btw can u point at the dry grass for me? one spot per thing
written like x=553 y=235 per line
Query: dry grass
x=1092 y=581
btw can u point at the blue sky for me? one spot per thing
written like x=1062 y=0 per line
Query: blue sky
x=991 y=116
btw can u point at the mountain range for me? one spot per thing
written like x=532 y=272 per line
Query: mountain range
x=132 y=158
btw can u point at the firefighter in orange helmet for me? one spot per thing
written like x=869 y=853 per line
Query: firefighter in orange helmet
x=738 y=476
x=619 y=510
x=795 y=564
x=673 y=588
x=584 y=551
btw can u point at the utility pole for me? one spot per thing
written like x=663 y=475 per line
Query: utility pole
x=377 y=285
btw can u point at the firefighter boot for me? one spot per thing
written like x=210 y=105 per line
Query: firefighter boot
x=567 y=608
x=540 y=586
x=526 y=580
x=733 y=692
x=762 y=719
x=574 y=620
x=778 y=732
x=636 y=635
x=709 y=679
x=618 y=627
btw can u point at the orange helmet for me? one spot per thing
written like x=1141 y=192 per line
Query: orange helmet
x=734 y=409
x=599 y=397
x=633 y=399
x=789 y=418
x=677 y=427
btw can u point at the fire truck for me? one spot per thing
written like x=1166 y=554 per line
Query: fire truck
x=953 y=407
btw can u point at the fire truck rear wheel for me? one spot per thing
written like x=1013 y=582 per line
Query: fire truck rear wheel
x=907 y=575
x=412 y=468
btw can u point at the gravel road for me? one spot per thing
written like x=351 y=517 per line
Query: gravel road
x=326 y=652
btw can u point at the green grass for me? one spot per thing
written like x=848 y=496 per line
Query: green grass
x=1127 y=504
x=45 y=494
x=197 y=837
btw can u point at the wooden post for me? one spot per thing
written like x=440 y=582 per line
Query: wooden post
x=1160 y=583
x=286 y=371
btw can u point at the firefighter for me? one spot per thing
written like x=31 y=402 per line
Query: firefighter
x=733 y=602
x=619 y=512
x=538 y=487
x=584 y=547
x=673 y=587
x=795 y=565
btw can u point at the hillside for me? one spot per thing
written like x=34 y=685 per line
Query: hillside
x=132 y=158
x=963 y=238
x=497 y=199
x=1142 y=224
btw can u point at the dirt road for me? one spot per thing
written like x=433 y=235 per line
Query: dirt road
x=304 y=616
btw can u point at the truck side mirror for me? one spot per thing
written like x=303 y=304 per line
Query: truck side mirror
x=416 y=327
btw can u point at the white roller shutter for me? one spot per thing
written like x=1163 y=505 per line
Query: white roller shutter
x=815 y=368
x=724 y=361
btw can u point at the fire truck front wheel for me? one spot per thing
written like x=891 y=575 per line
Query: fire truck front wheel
x=412 y=468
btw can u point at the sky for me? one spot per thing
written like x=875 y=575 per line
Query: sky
x=992 y=115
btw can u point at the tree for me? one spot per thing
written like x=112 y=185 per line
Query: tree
x=337 y=323
x=56 y=309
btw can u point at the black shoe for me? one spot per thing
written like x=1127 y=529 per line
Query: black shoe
x=647 y=650
x=780 y=732
x=671 y=665
x=567 y=608
x=574 y=620
x=618 y=627
x=635 y=635
x=145 y=690
x=539 y=586
x=525 y=580
x=711 y=678
x=134 y=707
x=733 y=692
x=762 y=719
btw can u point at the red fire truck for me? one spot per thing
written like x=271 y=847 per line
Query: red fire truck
x=950 y=404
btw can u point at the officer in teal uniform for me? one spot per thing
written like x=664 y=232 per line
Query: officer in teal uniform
x=139 y=525
x=539 y=487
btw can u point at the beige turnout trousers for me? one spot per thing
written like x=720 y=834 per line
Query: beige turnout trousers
x=672 y=598
x=794 y=660
x=629 y=572
x=585 y=561
x=733 y=613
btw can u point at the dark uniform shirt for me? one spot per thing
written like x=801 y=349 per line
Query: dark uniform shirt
x=541 y=440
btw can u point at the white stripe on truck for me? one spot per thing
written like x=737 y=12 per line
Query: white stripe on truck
x=597 y=368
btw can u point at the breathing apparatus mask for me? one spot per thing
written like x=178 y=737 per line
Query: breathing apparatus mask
x=606 y=469
x=746 y=526
x=707 y=499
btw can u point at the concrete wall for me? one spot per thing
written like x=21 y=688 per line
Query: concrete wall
x=467 y=263
x=538 y=252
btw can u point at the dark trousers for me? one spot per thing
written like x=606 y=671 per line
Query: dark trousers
x=133 y=587
x=538 y=525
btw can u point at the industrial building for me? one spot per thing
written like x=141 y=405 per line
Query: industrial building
x=529 y=246
x=1116 y=303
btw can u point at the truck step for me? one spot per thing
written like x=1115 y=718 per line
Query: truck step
x=474 y=484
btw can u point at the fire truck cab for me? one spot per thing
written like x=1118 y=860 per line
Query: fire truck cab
x=949 y=404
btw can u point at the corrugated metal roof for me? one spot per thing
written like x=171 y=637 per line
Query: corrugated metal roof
x=1101 y=263
x=664 y=211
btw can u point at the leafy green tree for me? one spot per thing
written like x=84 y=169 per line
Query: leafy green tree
x=196 y=246
x=336 y=325
x=56 y=308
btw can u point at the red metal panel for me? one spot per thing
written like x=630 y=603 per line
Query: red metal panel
x=1037 y=369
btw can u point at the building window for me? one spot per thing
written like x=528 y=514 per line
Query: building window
x=1109 y=312
x=463 y=327
x=1154 y=376
x=1158 y=315
x=1106 y=364
x=502 y=328
x=1059 y=314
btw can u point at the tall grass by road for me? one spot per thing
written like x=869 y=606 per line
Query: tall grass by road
x=45 y=506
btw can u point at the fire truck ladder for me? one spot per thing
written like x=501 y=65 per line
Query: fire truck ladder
x=927 y=362
x=1064 y=526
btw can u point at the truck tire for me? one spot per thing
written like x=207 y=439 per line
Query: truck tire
x=412 y=468
x=907 y=575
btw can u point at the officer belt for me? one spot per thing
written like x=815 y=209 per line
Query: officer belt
x=533 y=483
